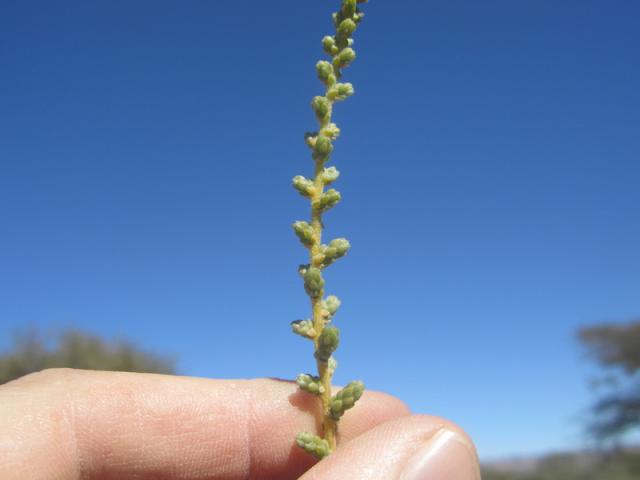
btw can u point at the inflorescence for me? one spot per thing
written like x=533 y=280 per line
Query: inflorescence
x=325 y=336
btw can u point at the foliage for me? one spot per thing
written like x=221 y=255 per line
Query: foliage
x=598 y=466
x=617 y=349
x=75 y=349
x=325 y=337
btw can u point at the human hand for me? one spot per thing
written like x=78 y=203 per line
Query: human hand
x=70 y=424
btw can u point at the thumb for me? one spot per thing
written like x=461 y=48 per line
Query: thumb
x=418 y=447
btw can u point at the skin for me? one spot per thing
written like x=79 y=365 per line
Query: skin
x=64 y=424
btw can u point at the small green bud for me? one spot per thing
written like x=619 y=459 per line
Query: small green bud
x=323 y=148
x=310 y=139
x=313 y=282
x=349 y=7
x=332 y=131
x=327 y=200
x=313 y=445
x=303 y=185
x=327 y=343
x=304 y=231
x=329 y=45
x=332 y=304
x=325 y=72
x=322 y=107
x=340 y=91
x=304 y=328
x=345 y=57
x=329 y=175
x=346 y=27
x=336 y=249
x=332 y=365
x=345 y=399
x=310 y=384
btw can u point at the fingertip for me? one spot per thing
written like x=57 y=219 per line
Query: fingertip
x=416 y=447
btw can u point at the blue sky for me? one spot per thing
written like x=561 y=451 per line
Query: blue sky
x=489 y=173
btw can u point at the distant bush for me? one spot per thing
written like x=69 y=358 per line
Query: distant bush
x=597 y=466
x=616 y=347
x=31 y=352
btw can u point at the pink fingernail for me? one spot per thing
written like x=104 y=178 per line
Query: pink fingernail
x=445 y=456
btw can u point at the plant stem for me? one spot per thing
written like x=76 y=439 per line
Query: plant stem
x=325 y=374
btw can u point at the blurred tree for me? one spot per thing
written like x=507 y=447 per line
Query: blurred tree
x=619 y=465
x=75 y=349
x=617 y=349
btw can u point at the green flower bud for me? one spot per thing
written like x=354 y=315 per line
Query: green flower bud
x=313 y=445
x=332 y=131
x=332 y=365
x=349 y=7
x=336 y=249
x=332 y=304
x=340 y=91
x=329 y=45
x=304 y=328
x=345 y=57
x=329 y=175
x=323 y=149
x=310 y=139
x=310 y=384
x=303 y=185
x=327 y=343
x=313 y=282
x=327 y=200
x=346 y=27
x=345 y=399
x=304 y=231
x=322 y=107
x=325 y=72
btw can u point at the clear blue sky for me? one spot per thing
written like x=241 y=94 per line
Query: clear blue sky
x=490 y=175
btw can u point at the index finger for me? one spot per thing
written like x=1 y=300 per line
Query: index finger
x=71 y=424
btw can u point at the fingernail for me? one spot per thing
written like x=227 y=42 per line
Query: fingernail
x=445 y=456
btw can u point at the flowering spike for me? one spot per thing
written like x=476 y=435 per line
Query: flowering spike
x=345 y=399
x=304 y=186
x=310 y=384
x=304 y=328
x=327 y=343
x=319 y=328
x=304 y=231
x=313 y=445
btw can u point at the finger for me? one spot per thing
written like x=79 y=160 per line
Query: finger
x=409 y=448
x=68 y=424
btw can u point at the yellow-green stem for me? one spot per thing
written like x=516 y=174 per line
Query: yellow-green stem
x=329 y=426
